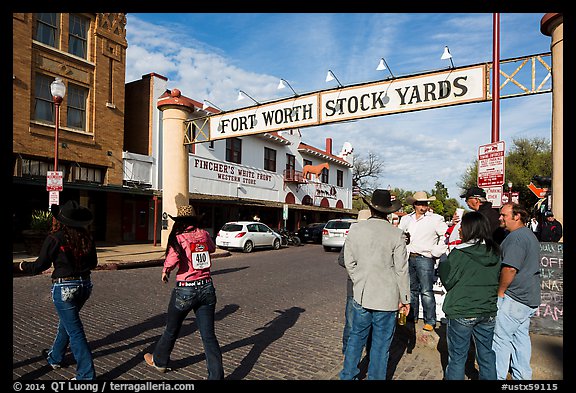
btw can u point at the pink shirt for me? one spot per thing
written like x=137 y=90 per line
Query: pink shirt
x=198 y=245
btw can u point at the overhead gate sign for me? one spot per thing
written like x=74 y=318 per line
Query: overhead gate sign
x=444 y=88
x=491 y=165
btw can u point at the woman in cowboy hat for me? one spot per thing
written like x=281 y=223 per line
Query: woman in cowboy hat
x=376 y=261
x=188 y=252
x=71 y=249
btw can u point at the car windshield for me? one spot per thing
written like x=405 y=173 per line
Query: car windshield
x=338 y=225
x=232 y=228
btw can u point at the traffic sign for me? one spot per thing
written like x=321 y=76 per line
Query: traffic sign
x=53 y=198
x=54 y=181
x=491 y=165
x=494 y=195
x=539 y=192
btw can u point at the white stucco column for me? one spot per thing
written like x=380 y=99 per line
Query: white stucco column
x=175 y=191
x=552 y=24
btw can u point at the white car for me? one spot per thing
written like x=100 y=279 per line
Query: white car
x=247 y=235
x=335 y=232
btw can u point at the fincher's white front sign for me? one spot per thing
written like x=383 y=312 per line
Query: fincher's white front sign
x=425 y=91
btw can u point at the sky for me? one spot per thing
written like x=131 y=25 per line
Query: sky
x=211 y=56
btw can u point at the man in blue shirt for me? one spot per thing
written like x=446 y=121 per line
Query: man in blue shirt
x=518 y=294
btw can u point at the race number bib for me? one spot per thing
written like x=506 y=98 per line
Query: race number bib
x=200 y=257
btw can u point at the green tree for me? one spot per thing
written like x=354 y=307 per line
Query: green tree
x=526 y=159
x=443 y=205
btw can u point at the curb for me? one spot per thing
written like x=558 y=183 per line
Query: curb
x=147 y=263
x=117 y=264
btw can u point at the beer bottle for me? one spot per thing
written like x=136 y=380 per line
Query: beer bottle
x=401 y=318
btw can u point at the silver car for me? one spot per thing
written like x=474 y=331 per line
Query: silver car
x=335 y=232
x=247 y=235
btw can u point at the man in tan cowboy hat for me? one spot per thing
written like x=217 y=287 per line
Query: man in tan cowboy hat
x=426 y=231
x=376 y=260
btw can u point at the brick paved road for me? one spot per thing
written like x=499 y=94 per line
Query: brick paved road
x=279 y=317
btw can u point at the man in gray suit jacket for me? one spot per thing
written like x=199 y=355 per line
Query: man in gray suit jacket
x=377 y=262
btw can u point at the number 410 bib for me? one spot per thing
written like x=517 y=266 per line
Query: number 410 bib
x=200 y=256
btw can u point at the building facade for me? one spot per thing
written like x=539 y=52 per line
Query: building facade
x=239 y=178
x=88 y=52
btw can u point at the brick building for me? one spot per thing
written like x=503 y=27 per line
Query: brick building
x=88 y=52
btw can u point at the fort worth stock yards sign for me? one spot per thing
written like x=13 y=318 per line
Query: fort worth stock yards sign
x=425 y=91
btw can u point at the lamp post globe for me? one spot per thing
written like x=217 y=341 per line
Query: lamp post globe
x=58 y=90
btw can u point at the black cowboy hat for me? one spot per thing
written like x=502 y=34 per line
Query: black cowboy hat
x=474 y=192
x=72 y=214
x=382 y=202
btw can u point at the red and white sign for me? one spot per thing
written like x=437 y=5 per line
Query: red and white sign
x=54 y=181
x=494 y=195
x=539 y=192
x=53 y=198
x=491 y=165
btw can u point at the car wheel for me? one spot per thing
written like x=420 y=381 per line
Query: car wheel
x=327 y=248
x=248 y=246
x=276 y=244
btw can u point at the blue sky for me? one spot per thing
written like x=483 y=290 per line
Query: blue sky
x=212 y=56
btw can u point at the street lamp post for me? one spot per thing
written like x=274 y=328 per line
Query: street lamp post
x=509 y=191
x=58 y=91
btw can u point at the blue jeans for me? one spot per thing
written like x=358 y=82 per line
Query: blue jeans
x=68 y=298
x=458 y=333
x=512 y=339
x=348 y=325
x=201 y=299
x=421 y=283
x=383 y=324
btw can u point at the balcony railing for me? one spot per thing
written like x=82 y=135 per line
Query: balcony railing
x=293 y=176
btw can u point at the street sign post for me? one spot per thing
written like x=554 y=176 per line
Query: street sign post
x=491 y=165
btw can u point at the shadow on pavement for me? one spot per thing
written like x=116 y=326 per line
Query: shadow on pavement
x=271 y=332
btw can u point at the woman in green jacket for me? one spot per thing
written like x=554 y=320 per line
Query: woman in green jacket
x=470 y=275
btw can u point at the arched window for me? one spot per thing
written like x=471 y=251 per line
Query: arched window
x=290 y=198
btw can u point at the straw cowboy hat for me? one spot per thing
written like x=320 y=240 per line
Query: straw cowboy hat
x=382 y=202
x=419 y=196
x=185 y=213
x=72 y=214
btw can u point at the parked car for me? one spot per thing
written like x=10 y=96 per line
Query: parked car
x=335 y=232
x=246 y=236
x=311 y=232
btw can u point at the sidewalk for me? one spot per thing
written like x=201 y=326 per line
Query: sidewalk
x=119 y=256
